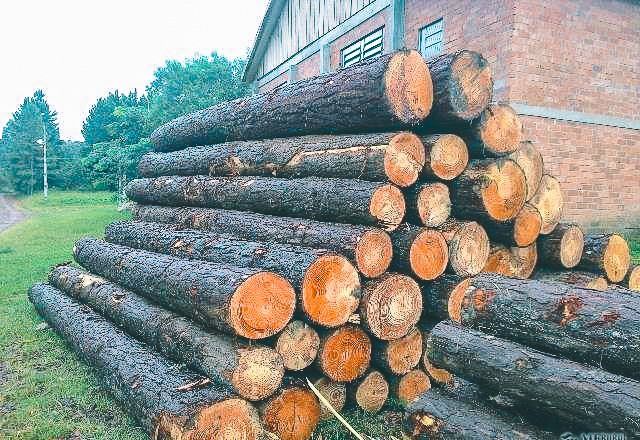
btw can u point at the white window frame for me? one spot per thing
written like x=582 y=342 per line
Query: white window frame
x=369 y=46
x=435 y=32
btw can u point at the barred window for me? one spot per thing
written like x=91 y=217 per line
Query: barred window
x=367 y=47
x=431 y=39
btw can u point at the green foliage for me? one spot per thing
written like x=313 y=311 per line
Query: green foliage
x=108 y=164
x=103 y=119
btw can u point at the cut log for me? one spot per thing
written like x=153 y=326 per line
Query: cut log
x=607 y=254
x=334 y=392
x=528 y=157
x=247 y=302
x=585 y=325
x=438 y=416
x=410 y=387
x=561 y=248
x=254 y=372
x=489 y=189
x=496 y=132
x=428 y=204
x=399 y=356
x=315 y=198
x=344 y=354
x=520 y=231
x=588 y=280
x=328 y=283
x=387 y=92
x=446 y=156
x=292 y=413
x=549 y=202
x=468 y=246
x=390 y=306
x=369 y=248
x=591 y=397
x=419 y=251
x=298 y=345
x=632 y=280
x=462 y=87
x=166 y=401
x=436 y=375
x=370 y=392
x=437 y=297
x=394 y=157
x=516 y=262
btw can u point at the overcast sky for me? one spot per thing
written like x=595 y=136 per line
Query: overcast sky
x=79 y=50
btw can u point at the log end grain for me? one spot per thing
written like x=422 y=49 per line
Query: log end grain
x=262 y=305
x=330 y=290
x=411 y=386
x=387 y=205
x=529 y=158
x=258 y=374
x=456 y=300
x=433 y=203
x=633 y=279
x=428 y=254
x=408 y=87
x=403 y=354
x=616 y=259
x=345 y=353
x=527 y=226
x=515 y=262
x=500 y=130
x=373 y=253
x=549 y=202
x=471 y=84
x=469 y=247
x=298 y=345
x=292 y=414
x=448 y=157
x=334 y=392
x=503 y=189
x=438 y=375
x=391 y=306
x=371 y=392
x=404 y=159
x=571 y=247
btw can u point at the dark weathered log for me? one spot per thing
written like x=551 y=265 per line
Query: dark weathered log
x=247 y=302
x=436 y=375
x=446 y=156
x=252 y=371
x=607 y=254
x=439 y=416
x=496 y=132
x=468 y=246
x=419 y=251
x=316 y=198
x=369 y=248
x=588 y=280
x=561 y=248
x=549 y=202
x=436 y=297
x=520 y=231
x=329 y=285
x=516 y=262
x=588 y=396
x=298 y=345
x=462 y=88
x=395 y=157
x=632 y=280
x=167 y=401
x=370 y=392
x=334 y=392
x=428 y=204
x=344 y=354
x=399 y=356
x=388 y=92
x=489 y=189
x=528 y=157
x=585 y=325
x=390 y=306
x=410 y=387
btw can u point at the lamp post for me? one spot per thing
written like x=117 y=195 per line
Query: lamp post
x=43 y=143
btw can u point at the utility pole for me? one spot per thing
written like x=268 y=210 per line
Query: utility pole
x=44 y=149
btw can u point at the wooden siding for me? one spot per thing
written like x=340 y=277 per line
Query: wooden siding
x=301 y=23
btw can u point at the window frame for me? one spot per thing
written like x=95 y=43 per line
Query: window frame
x=361 y=50
x=423 y=29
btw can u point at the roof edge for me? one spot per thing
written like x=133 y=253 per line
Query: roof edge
x=265 y=30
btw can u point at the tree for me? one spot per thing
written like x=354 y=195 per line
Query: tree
x=101 y=124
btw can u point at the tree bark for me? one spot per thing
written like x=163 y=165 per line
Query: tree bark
x=298 y=345
x=428 y=204
x=489 y=190
x=315 y=198
x=399 y=356
x=496 y=132
x=370 y=392
x=328 y=283
x=587 y=280
x=410 y=387
x=632 y=280
x=515 y=262
x=253 y=372
x=549 y=202
x=251 y=303
x=530 y=160
x=607 y=254
x=166 y=401
x=520 y=231
x=418 y=251
x=446 y=156
x=436 y=297
x=344 y=354
x=436 y=375
x=591 y=397
x=468 y=246
x=397 y=157
x=585 y=325
x=390 y=306
x=562 y=248
x=369 y=248
x=387 y=92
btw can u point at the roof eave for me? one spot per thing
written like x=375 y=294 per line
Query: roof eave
x=262 y=38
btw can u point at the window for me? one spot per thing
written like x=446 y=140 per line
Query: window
x=431 y=39
x=363 y=49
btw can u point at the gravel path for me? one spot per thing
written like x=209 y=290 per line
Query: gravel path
x=9 y=213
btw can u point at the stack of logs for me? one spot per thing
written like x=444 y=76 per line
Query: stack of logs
x=300 y=236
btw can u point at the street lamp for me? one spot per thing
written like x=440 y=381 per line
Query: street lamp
x=43 y=142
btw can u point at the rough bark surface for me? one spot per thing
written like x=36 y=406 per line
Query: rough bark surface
x=370 y=392
x=387 y=92
x=399 y=356
x=549 y=202
x=591 y=397
x=222 y=297
x=169 y=403
x=496 y=132
x=446 y=156
x=520 y=231
x=562 y=248
x=428 y=204
x=607 y=254
x=588 y=280
x=515 y=262
x=315 y=198
x=369 y=248
x=421 y=252
x=468 y=246
x=529 y=158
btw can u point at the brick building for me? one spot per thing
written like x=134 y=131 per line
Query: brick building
x=570 y=68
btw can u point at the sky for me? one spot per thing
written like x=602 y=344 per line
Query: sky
x=77 y=51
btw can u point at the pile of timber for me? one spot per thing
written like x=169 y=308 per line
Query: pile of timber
x=381 y=232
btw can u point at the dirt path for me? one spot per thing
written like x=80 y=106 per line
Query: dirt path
x=9 y=213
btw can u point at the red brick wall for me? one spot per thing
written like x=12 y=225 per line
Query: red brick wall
x=277 y=81
x=309 y=67
x=370 y=25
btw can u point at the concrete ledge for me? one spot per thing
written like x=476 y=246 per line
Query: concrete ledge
x=568 y=115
